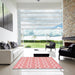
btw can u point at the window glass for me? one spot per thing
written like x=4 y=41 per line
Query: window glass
x=41 y=23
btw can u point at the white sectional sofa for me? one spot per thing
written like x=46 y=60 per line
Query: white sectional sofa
x=9 y=55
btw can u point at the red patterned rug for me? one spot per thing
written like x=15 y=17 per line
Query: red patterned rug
x=37 y=63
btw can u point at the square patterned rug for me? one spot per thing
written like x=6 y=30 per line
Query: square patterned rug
x=37 y=63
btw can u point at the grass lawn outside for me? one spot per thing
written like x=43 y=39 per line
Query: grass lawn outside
x=39 y=44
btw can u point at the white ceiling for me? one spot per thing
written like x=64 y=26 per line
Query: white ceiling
x=34 y=4
x=30 y=1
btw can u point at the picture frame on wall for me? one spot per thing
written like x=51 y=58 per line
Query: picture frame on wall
x=6 y=17
x=1 y=15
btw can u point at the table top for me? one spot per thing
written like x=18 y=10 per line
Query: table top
x=41 y=52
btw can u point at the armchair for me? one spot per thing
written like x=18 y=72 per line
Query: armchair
x=51 y=45
x=69 y=52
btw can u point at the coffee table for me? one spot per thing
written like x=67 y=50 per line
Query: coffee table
x=41 y=53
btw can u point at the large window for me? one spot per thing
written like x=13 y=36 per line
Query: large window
x=40 y=23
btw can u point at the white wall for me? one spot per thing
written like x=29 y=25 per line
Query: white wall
x=6 y=35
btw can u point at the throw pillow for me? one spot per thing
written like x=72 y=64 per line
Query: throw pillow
x=3 y=45
x=9 y=46
x=13 y=44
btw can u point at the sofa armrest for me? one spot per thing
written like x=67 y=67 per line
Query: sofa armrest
x=6 y=56
x=63 y=47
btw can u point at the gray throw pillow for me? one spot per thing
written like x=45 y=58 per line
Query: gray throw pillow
x=9 y=46
x=3 y=45
x=13 y=44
